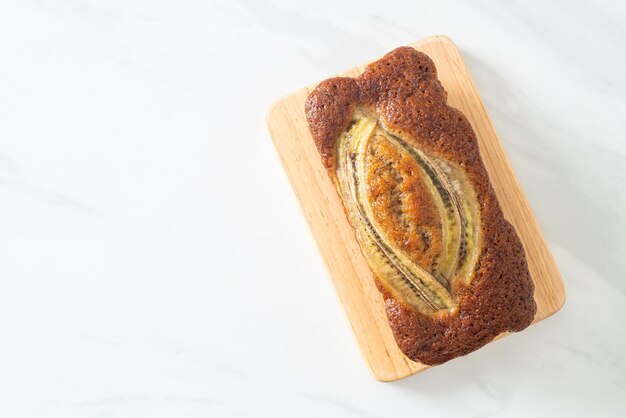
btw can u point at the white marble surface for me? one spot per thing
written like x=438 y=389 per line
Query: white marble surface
x=142 y=275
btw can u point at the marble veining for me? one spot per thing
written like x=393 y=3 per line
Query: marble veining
x=137 y=281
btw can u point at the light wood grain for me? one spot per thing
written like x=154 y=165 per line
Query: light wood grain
x=335 y=238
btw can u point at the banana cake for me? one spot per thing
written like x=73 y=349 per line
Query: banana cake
x=450 y=268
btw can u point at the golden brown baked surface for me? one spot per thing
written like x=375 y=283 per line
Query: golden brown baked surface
x=451 y=269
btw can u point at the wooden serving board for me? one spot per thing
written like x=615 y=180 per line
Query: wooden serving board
x=336 y=240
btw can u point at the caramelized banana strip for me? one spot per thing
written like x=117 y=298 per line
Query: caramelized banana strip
x=428 y=291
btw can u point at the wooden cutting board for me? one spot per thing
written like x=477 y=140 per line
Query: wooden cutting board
x=347 y=267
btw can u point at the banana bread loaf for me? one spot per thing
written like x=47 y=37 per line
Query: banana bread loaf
x=451 y=269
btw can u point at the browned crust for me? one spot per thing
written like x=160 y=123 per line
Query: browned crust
x=403 y=90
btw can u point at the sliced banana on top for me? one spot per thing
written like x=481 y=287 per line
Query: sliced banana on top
x=415 y=215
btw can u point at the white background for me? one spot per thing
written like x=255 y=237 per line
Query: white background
x=154 y=261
